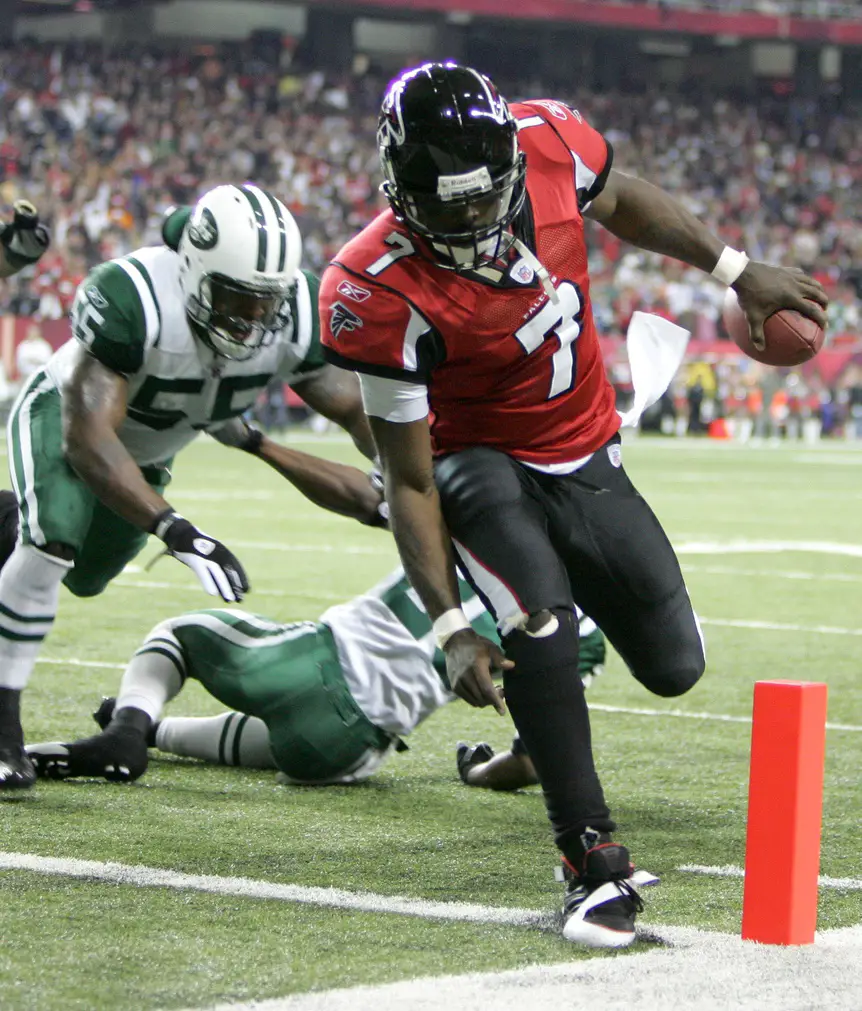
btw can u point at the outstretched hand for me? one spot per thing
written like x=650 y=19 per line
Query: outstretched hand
x=763 y=290
x=471 y=661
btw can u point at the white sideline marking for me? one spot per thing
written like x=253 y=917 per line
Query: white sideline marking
x=745 y=547
x=682 y=714
x=154 y=877
x=731 y=871
x=695 y=969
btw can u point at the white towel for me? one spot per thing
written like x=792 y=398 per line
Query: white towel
x=655 y=349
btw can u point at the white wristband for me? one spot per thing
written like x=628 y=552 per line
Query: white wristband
x=448 y=624
x=730 y=265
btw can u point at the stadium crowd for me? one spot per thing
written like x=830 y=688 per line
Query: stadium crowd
x=103 y=143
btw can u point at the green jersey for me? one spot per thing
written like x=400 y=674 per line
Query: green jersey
x=130 y=314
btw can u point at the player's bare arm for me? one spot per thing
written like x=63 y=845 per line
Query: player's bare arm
x=648 y=217
x=426 y=553
x=334 y=393
x=334 y=486
x=22 y=240
x=94 y=408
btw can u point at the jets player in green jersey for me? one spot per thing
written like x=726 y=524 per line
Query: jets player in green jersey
x=166 y=343
x=323 y=702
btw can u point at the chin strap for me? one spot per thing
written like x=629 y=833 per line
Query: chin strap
x=539 y=267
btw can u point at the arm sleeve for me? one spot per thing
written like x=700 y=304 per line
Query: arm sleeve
x=374 y=330
x=393 y=399
x=110 y=319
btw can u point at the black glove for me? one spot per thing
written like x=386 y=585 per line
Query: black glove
x=217 y=568
x=25 y=239
x=239 y=434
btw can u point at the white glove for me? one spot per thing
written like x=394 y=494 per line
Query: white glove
x=219 y=571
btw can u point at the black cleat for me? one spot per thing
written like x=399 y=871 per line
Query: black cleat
x=105 y=713
x=118 y=755
x=16 y=769
x=601 y=902
x=468 y=755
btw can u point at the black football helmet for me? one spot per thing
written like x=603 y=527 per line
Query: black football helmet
x=453 y=171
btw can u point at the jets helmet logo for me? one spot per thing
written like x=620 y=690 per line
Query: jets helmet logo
x=203 y=230
x=341 y=318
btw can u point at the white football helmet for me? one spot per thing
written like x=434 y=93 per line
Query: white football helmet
x=239 y=258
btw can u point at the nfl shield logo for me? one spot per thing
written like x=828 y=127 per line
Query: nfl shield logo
x=615 y=455
x=522 y=272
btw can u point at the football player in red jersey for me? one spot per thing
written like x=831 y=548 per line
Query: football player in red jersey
x=465 y=308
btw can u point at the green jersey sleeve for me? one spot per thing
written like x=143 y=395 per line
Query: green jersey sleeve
x=115 y=316
x=305 y=341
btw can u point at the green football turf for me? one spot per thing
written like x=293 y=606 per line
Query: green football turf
x=678 y=787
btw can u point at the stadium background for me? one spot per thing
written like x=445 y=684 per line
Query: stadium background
x=112 y=111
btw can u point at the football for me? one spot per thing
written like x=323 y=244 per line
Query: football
x=791 y=338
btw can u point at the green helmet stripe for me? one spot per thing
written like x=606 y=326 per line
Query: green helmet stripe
x=282 y=228
x=261 y=226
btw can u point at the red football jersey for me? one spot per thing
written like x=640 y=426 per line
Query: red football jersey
x=504 y=365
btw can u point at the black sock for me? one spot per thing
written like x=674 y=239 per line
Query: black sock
x=133 y=719
x=11 y=732
x=545 y=695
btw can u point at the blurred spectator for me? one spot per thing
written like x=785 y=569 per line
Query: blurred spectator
x=104 y=141
x=32 y=353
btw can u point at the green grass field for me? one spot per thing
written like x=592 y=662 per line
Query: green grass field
x=678 y=787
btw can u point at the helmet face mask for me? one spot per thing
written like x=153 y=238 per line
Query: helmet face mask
x=235 y=320
x=239 y=263
x=454 y=174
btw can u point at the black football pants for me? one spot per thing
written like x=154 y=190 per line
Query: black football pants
x=530 y=541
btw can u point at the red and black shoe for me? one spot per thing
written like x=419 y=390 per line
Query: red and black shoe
x=602 y=902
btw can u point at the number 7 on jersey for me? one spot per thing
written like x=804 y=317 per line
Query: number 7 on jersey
x=561 y=320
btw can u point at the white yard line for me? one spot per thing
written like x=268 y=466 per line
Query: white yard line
x=742 y=546
x=149 y=584
x=682 y=714
x=793 y=574
x=336 y=898
x=731 y=871
x=780 y=626
x=679 y=714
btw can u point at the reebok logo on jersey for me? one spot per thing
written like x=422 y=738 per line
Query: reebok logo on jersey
x=557 y=111
x=350 y=290
x=96 y=298
x=615 y=455
x=203 y=546
x=341 y=318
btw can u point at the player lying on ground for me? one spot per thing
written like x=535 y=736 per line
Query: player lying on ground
x=167 y=341
x=323 y=702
